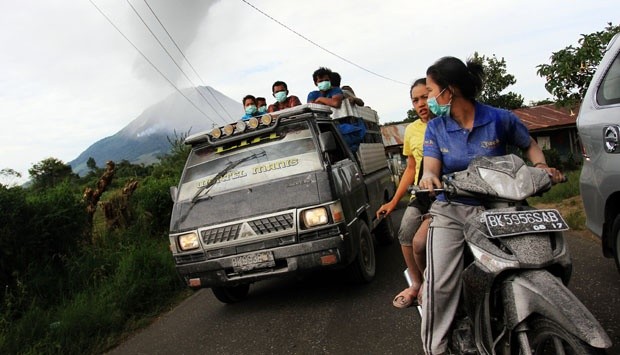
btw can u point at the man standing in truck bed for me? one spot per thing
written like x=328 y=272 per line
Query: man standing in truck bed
x=326 y=94
x=283 y=99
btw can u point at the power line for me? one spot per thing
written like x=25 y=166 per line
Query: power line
x=187 y=60
x=321 y=47
x=174 y=61
x=147 y=59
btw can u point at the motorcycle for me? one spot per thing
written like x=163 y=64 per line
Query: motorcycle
x=514 y=298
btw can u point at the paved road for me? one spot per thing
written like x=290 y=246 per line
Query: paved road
x=321 y=314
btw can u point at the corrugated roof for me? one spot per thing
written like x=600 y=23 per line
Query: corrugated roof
x=393 y=134
x=546 y=117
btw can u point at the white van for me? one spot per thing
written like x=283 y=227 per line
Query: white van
x=598 y=124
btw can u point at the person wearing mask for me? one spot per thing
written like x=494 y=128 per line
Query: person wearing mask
x=414 y=225
x=326 y=94
x=249 y=105
x=261 y=105
x=280 y=92
x=463 y=130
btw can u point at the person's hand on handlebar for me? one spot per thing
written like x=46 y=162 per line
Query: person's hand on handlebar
x=430 y=182
x=555 y=174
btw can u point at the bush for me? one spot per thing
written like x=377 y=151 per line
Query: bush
x=153 y=204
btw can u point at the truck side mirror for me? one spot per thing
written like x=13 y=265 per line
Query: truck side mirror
x=173 y=193
x=328 y=142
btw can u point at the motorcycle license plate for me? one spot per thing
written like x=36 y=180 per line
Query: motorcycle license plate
x=247 y=262
x=501 y=224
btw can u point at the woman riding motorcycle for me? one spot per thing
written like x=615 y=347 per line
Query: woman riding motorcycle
x=463 y=130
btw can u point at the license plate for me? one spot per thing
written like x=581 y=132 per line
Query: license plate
x=501 y=224
x=261 y=259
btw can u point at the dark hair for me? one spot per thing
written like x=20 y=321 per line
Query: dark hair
x=335 y=79
x=322 y=71
x=278 y=83
x=421 y=81
x=450 y=71
x=260 y=99
x=248 y=97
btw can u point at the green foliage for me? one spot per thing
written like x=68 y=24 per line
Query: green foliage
x=153 y=203
x=571 y=69
x=70 y=292
x=91 y=164
x=495 y=82
x=560 y=192
x=50 y=172
x=8 y=177
x=411 y=116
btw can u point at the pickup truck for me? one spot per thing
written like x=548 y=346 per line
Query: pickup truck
x=282 y=193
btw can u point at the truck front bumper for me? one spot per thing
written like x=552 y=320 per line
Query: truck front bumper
x=288 y=259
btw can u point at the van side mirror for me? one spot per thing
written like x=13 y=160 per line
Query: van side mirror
x=327 y=141
x=173 y=193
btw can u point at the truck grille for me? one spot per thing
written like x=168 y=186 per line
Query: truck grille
x=260 y=226
x=272 y=224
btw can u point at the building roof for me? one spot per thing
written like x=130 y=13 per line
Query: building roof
x=393 y=134
x=545 y=117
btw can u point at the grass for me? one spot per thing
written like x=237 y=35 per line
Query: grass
x=565 y=198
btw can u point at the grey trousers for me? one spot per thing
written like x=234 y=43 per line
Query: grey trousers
x=444 y=266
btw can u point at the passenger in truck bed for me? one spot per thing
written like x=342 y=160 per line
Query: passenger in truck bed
x=349 y=94
x=261 y=105
x=326 y=94
x=283 y=99
x=249 y=105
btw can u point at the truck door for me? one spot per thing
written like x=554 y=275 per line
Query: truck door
x=347 y=176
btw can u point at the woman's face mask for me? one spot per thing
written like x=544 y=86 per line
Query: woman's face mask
x=436 y=108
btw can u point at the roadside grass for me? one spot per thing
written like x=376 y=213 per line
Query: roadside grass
x=124 y=286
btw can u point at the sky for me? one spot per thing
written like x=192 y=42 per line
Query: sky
x=69 y=78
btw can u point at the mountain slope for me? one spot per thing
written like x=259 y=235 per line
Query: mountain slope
x=144 y=139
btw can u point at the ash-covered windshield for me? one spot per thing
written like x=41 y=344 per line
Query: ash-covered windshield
x=288 y=151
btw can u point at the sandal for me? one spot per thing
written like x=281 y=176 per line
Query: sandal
x=405 y=299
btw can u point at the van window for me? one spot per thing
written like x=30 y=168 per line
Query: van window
x=340 y=153
x=609 y=91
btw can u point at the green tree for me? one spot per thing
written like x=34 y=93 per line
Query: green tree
x=91 y=163
x=49 y=172
x=411 y=116
x=496 y=80
x=571 y=69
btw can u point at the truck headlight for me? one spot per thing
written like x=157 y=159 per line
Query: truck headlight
x=315 y=217
x=189 y=241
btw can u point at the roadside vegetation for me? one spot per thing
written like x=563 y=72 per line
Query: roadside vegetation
x=84 y=261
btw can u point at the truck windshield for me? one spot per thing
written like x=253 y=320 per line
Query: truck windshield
x=288 y=151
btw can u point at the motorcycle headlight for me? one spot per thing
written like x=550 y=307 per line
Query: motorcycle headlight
x=315 y=217
x=189 y=241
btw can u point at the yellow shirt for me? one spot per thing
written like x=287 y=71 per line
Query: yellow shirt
x=413 y=142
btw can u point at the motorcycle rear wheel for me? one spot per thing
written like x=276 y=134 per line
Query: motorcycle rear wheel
x=547 y=337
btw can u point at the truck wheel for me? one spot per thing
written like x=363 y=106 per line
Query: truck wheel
x=231 y=294
x=616 y=244
x=384 y=232
x=363 y=268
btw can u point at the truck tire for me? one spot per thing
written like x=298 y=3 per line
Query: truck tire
x=384 y=232
x=363 y=268
x=231 y=294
